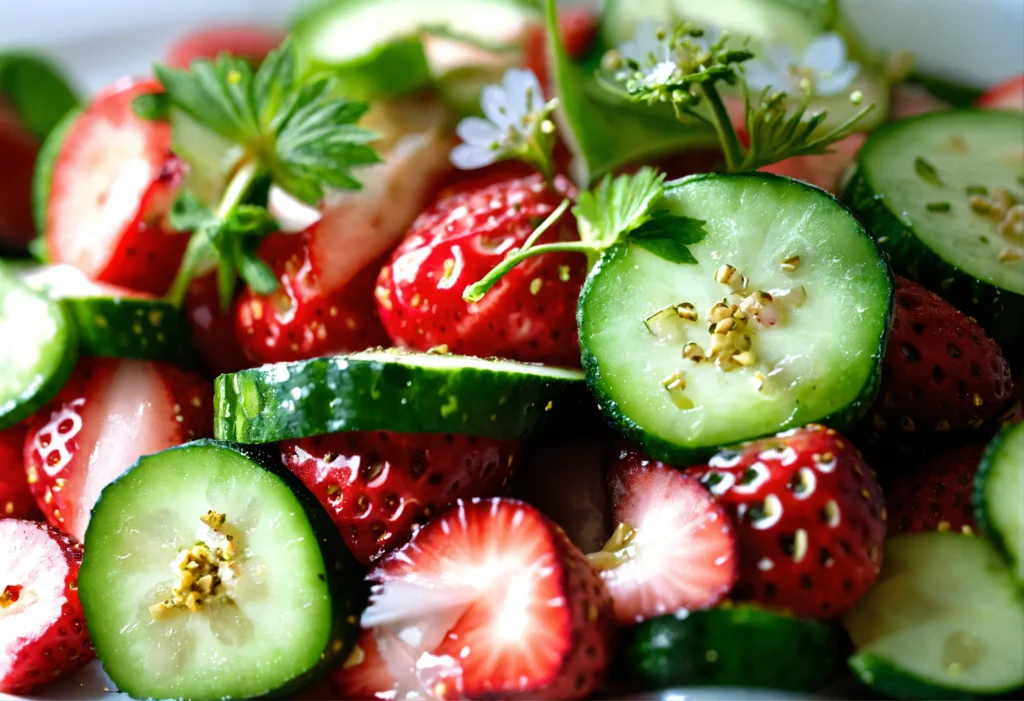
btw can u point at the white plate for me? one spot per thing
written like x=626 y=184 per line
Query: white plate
x=978 y=42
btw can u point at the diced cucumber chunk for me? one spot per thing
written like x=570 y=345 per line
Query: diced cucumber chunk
x=809 y=352
x=944 y=620
x=999 y=495
x=38 y=352
x=279 y=611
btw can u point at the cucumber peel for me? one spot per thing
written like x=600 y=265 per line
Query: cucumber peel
x=999 y=495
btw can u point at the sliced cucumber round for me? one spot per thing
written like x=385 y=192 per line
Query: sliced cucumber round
x=738 y=646
x=43 y=175
x=279 y=610
x=391 y=390
x=937 y=192
x=944 y=620
x=38 y=352
x=999 y=495
x=808 y=352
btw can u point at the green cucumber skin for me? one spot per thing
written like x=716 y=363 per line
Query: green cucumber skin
x=345 y=576
x=43 y=176
x=128 y=329
x=754 y=648
x=897 y=683
x=980 y=498
x=377 y=396
x=842 y=420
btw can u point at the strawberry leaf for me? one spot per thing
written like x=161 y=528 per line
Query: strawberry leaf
x=608 y=213
x=667 y=236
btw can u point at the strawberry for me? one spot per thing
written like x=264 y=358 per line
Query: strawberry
x=107 y=415
x=18 y=153
x=577 y=28
x=213 y=331
x=42 y=627
x=1008 y=95
x=674 y=546
x=113 y=183
x=249 y=43
x=16 y=500
x=489 y=600
x=379 y=486
x=909 y=100
x=809 y=520
x=365 y=674
x=529 y=315
x=940 y=370
x=824 y=170
x=936 y=495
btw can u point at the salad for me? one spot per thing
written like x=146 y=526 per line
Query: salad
x=477 y=349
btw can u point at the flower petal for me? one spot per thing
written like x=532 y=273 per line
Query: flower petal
x=761 y=76
x=825 y=54
x=515 y=94
x=536 y=92
x=466 y=157
x=478 y=132
x=645 y=44
x=494 y=103
x=837 y=82
x=781 y=56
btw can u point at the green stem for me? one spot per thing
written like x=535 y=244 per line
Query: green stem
x=476 y=291
x=238 y=187
x=546 y=224
x=731 y=148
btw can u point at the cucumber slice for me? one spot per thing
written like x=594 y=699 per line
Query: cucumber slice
x=38 y=352
x=43 y=175
x=390 y=390
x=911 y=188
x=832 y=298
x=999 y=495
x=944 y=620
x=738 y=646
x=284 y=612
x=111 y=325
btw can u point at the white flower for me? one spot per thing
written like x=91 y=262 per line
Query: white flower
x=824 y=65
x=650 y=49
x=513 y=110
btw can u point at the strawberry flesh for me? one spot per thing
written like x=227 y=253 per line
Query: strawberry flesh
x=825 y=170
x=16 y=500
x=809 y=519
x=365 y=674
x=249 y=43
x=674 y=547
x=42 y=627
x=936 y=495
x=529 y=315
x=490 y=600
x=379 y=486
x=108 y=414
x=940 y=370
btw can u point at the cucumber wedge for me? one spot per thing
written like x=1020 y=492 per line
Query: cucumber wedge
x=280 y=608
x=809 y=351
x=999 y=495
x=944 y=620
x=391 y=390
x=738 y=646
x=924 y=186
x=38 y=351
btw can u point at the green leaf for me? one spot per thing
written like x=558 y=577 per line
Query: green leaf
x=37 y=90
x=617 y=206
x=256 y=273
x=188 y=213
x=667 y=248
x=154 y=107
x=249 y=222
x=667 y=236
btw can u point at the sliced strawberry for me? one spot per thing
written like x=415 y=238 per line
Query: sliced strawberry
x=940 y=370
x=109 y=413
x=909 y=100
x=42 y=627
x=246 y=42
x=809 y=520
x=577 y=28
x=674 y=547
x=18 y=150
x=16 y=500
x=825 y=170
x=365 y=674
x=1008 y=95
x=379 y=486
x=936 y=495
x=529 y=315
x=490 y=600
x=113 y=183
x=213 y=331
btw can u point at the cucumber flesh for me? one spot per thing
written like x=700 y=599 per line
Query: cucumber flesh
x=391 y=390
x=281 y=615
x=740 y=646
x=945 y=619
x=999 y=495
x=38 y=352
x=818 y=363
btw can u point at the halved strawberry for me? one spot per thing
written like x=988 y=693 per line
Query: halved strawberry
x=1008 y=95
x=674 y=546
x=379 y=486
x=809 y=520
x=365 y=674
x=490 y=600
x=42 y=627
x=825 y=170
x=909 y=100
x=107 y=415
x=16 y=500
x=18 y=150
x=113 y=183
x=246 y=42
x=213 y=331
x=936 y=495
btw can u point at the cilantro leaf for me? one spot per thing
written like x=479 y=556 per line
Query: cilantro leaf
x=667 y=236
x=616 y=207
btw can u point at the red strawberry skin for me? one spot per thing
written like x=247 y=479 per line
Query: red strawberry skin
x=810 y=520
x=936 y=495
x=379 y=486
x=16 y=500
x=532 y=619
x=42 y=628
x=109 y=413
x=303 y=318
x=940 y=370
x=249 y=43
x=529 y=315
x=113 y=183
x=213 y=331
x=18 y=152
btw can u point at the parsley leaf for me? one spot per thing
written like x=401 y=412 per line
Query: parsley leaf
x=618 y=206
x=667 y=236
